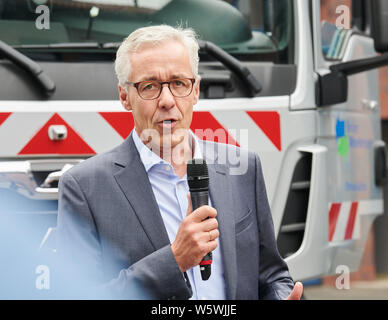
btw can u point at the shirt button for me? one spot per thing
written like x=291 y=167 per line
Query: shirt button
x=167 y=167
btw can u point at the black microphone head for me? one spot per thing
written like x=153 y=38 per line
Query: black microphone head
x=197 y=175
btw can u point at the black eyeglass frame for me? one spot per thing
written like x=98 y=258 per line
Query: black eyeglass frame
x=136 y=85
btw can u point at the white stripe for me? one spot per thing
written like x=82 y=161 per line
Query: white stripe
x=374 y=206
x=339 y=233
x=19 y=129
x=242 y=103
x=115 y=105
x=93 y=129
x=62 y=106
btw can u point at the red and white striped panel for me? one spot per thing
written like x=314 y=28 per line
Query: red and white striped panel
x=345 y=217
x=26 y=133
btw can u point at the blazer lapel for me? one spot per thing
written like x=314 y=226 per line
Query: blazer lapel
x=222 y=199
x=133 y=181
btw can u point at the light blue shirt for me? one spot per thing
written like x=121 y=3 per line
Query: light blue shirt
x=170 y=192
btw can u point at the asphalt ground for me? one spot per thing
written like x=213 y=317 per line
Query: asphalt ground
x=360 y=290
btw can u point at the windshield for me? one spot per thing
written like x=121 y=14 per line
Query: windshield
x=249 y=29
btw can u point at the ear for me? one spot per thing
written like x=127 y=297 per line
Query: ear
x=124 y=97
x=196 y=89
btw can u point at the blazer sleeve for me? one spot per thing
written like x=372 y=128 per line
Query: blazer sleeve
x=156 y=276
x=275 y=282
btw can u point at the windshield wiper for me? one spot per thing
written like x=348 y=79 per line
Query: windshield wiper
x=34 y=69
x=232 y=64
x=64 y=45
x=111 y=45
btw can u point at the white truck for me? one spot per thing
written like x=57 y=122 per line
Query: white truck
x=276 y=79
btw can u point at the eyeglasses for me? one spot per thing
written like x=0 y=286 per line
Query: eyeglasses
x=151 y=89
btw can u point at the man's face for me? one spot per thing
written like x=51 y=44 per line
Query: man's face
x=163 y=62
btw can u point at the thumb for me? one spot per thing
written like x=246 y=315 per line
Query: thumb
x=190 y=207
x=296 y=293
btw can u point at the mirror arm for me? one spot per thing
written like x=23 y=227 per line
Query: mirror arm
x=361 y=65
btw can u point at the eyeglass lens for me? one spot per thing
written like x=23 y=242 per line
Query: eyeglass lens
x=152 y=89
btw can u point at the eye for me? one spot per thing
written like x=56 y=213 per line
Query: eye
x=148 y=86
x=181 y=83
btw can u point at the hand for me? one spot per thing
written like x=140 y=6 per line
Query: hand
x=296 y=293
x=196 y=236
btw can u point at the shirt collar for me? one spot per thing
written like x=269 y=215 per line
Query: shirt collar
x=149 y=158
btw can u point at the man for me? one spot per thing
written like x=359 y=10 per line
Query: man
x=128 y=212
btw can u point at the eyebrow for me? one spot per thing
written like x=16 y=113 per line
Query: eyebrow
x=153 y=78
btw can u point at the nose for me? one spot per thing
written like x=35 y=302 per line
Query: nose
x=166 y=99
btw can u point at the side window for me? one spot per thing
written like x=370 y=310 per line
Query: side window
x=336 y=25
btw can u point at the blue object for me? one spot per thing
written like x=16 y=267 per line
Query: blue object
x=313 y=282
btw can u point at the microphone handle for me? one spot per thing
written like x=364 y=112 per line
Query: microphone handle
x=198 y=199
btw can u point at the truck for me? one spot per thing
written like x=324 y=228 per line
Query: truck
x=275 y=78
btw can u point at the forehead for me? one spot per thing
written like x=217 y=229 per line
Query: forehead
x=165 y=60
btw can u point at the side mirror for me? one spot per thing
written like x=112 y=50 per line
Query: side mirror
x=379 y=24
x=332 y=87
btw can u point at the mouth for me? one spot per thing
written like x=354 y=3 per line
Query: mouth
x=167 y=123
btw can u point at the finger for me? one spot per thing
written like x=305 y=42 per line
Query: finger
x=211 y=246
x=208 y=236
x=213 y=234
x=208 y=247
x=190 y=206
x=297 y=292
x=204 y=212
x=209 y=224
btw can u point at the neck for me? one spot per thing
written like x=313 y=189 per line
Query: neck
x=177 y=154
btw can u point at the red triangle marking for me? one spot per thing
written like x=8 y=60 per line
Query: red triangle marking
x=4 y=116
x=205 y=120
x=122 y=122
x=269 y=122
x=41 y=143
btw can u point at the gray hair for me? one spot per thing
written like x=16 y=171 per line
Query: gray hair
x=155 y=35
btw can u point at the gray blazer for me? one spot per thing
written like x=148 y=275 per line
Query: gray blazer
x=109 y=223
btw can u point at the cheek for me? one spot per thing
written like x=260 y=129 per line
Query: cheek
x=143 y=112
x=188 y=116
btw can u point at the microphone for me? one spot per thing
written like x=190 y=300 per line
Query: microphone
x=198 y=180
